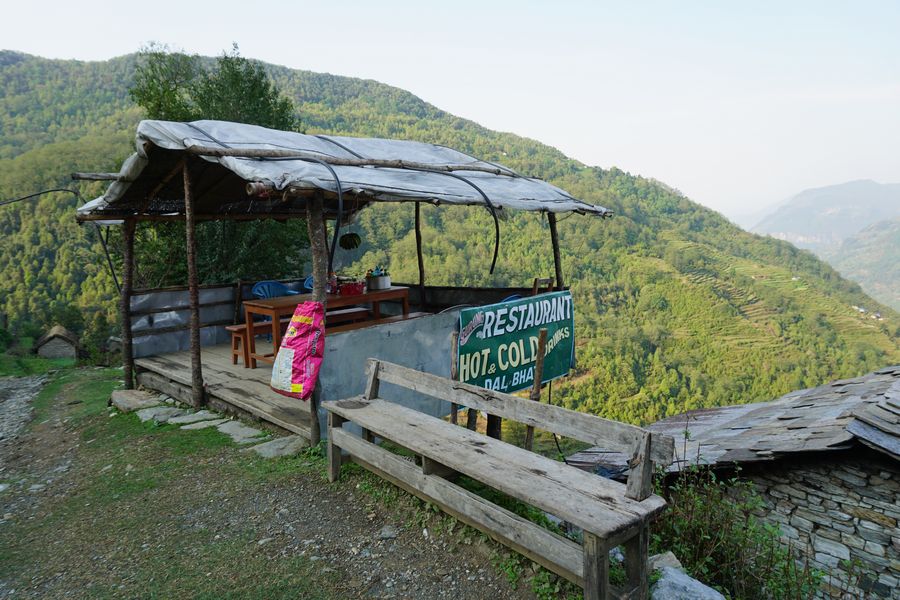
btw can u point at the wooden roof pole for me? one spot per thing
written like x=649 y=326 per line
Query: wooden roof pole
x=125 y=301
x=419 y=255
x=316 y=230
x=197 y=393
x=554 y=240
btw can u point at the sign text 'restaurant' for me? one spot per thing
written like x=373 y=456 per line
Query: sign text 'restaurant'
x=498 y=343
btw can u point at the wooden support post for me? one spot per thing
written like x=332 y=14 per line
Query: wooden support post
x=315 y=433
x=472 y=419
x=535 y=394
x=636 y=569
x=596 y=568
x=433 y=467
x=454 y=373
x=554 y=240
x=419 y=256
x=316 y=231
x=334 y=452
x=372 y=381
x=640 y=479
x=197 y=393
x=494 y=426
x=125 y=301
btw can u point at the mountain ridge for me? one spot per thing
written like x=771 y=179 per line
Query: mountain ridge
x=677 y=307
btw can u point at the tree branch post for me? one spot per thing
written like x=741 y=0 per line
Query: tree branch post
x=419 y=255
x=557 y=260
x=535 y=393
x=316 y=230
x=198 y=397
x=125 y=301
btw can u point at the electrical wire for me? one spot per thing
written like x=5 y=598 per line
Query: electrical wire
x=41 y=193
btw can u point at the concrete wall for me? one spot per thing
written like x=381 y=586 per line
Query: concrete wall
x=422 y=344
x=57 y=348
x=839 y=508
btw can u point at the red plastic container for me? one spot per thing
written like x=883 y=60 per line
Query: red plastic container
x=352 y=289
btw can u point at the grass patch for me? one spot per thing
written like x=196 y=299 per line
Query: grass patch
x=12 y=365
x=124 y=526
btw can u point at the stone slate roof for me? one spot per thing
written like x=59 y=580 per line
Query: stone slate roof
x=57 y=331
x=836 y=416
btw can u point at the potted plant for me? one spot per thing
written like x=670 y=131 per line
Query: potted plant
x=378 y=278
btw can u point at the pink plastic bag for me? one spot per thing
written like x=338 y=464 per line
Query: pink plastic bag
x=299 y=359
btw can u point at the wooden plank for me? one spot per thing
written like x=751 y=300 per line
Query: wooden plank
x=587 y=428
x=535 y=395
x=596 y=568
x=372 y=368
x=636 y=552
x=373 y=322
x=593 y=503
x=161 y=384
x=552 y=551
x=334 y=451
x=244 y=389
x=640 y=479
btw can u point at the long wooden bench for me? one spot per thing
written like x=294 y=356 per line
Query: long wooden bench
x=608 y=512
x=240 y=348
x=371 y=322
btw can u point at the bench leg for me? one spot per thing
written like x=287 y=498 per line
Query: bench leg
x=245 y=348
x=636 y=551
x=235 y=342
x=334 y=452
x=596 y=568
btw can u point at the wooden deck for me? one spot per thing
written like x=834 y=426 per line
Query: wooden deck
x=246 y=390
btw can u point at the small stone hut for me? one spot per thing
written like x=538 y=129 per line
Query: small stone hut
x=826 y=462
x=59 y=342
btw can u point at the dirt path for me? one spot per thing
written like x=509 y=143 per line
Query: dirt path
x=16 y=394
x=104 y=506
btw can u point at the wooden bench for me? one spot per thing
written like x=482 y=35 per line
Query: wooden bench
x=609 y=513
x=371 y=322
x=241 y=348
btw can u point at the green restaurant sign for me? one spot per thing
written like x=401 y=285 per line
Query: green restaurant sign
x=498 y=343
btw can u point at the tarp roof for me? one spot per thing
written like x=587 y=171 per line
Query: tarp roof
x=150 y=185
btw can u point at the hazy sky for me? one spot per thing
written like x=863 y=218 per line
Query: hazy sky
x=737 y=104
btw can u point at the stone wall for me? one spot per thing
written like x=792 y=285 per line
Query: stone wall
x=840 y=508
x=57 y=348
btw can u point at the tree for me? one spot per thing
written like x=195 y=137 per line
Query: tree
x=180 y=87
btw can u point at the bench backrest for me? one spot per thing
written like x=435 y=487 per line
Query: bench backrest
x=643 y=448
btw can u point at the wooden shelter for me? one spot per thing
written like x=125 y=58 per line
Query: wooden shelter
x=215 y=170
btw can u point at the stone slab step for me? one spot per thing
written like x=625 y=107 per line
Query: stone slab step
x=200 y=415
x=284 y=446
x=131 y=400
x=240 y=433
x=159 y=414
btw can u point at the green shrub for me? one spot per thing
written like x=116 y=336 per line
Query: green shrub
x=710 y=526
x=6 y=340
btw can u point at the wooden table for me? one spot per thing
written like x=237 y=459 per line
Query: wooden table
x=284 y=306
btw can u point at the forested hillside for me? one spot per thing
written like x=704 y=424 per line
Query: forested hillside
x=853 y=226
x=872 y=258
x=676 y=307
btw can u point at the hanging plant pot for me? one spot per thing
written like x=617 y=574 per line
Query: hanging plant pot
x=350 y=241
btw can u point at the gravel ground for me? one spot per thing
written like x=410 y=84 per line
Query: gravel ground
x=15 y=403
x=357 y=543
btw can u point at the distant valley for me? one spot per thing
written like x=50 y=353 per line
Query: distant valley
x=854 y=226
